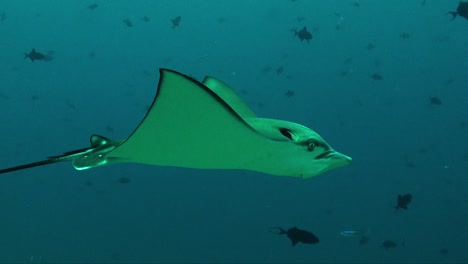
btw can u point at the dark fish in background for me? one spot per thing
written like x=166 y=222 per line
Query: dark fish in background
x=405 y=35
x=389 y=244
x=279 y=70
x=462 y=10
x=34 y=55
x=300 y=18
x=2 y=16
x=176 y=21
x=443 y=251
x=370 y=46
x=434 y=100
x=124 y=180
x=403 y=201
x=423 y=2
x=289 y=93
x=364 y=240
x=146 y=19
x=376 y=76
x=127 y=22
x=93 y=6
x=296 y=235
x=303 y=34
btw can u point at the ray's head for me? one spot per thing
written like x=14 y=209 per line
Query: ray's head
x=308 y=154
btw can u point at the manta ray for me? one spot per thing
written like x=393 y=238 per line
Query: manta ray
x=206 y=125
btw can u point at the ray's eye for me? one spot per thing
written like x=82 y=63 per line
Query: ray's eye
x=311 y=146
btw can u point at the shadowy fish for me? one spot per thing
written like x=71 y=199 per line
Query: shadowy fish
x=376 y=76
x=124 y=180
x=176 y=21
x=145 y=19
x=389 y=244
x=279 y=70
x=364 y=240
x=93 y=6
x=403 y=201
x=34 y=55
x=405 y=35
x=128 y=23
x=370 y=46
x=434 y=100
x=289 y=93
x=462 y=10
x=296 y=235
x=303 y=34
x=2 y=16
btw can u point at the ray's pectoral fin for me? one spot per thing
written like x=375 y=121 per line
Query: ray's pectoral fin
x=82 y=159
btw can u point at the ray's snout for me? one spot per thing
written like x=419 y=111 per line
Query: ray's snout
x=339 y=159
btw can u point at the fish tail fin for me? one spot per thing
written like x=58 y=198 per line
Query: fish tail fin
x=294 y=30
x=453 y=13
x=26 y=56
x=277 y=230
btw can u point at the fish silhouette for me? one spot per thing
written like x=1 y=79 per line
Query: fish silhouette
x=296 y=235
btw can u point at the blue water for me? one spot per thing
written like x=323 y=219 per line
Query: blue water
x=104 y=75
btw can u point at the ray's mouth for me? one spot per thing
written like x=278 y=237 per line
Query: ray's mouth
x=331 y=154
x=327 y=154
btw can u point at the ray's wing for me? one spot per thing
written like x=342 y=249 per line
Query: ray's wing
x=189 y=125
x=228 y=95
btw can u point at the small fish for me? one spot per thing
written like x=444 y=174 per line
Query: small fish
x=127 y=22
x=289 y=93
x=93 y=6
x=364 y=240
x=34 y=55
x=279 y=70
x=352 y=233
x=2 y=16
x=443 y=251
x=434 y=100
x=462 y=10
x=296 y=235
x=176 y=21
x=300 y=18
x=124 y=180
x=303 y=34
x=403 y=201
x=370 y=46
x=389 y=244
x=405 y=35
x=146 y=19
x=376 y=76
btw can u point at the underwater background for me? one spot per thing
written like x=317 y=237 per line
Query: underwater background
x=384 y=82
